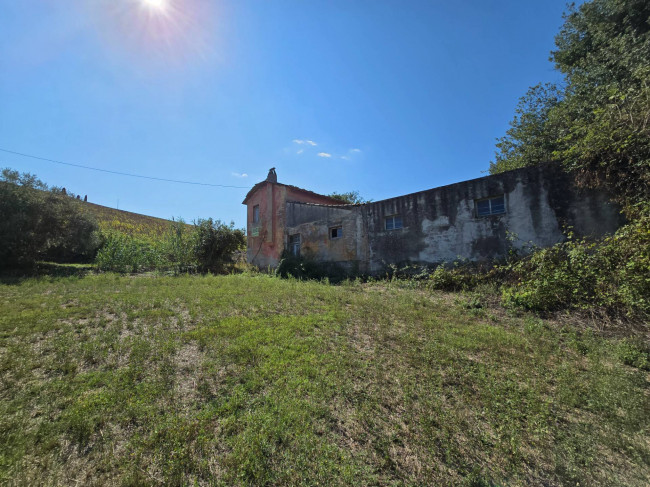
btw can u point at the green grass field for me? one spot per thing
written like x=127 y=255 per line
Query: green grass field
x=252 y=380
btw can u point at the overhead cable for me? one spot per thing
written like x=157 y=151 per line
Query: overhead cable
x=122 y=173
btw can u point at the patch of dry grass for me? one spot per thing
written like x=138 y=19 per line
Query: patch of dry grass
x=242 y=380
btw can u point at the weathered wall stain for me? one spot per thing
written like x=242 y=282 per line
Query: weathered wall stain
x=438 y=225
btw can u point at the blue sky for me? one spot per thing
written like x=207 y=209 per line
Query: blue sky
x=382 y=97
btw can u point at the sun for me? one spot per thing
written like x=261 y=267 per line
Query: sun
x=160 y=5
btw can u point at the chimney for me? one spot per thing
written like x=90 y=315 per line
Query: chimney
x=272 y=176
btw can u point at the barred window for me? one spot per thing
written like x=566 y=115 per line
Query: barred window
x=393 y=222
x=491 y=206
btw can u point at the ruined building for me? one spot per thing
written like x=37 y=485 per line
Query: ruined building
x=474 y=220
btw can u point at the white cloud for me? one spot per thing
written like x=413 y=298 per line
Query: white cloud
x=355 y=150
x=238 y=175
x=324 y=154
x=300 y=151
x=304 y=141
x=345 y=157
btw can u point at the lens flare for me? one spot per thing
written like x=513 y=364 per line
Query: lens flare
x=160 y=5
x=154 y=35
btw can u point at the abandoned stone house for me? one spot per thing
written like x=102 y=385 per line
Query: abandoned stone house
x=473 y=220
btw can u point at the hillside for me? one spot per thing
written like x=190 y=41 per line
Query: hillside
x=128 y=222
x=253 y=380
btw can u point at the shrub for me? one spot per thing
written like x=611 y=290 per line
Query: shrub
x=612 y=273
x=207 y=246
x=215 y=244
x=305 y=267
x=124 y=253
x=37 y=222
x=179 y=246
x=456 y=279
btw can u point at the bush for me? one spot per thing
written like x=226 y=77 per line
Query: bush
x=40 y=223
x=124 y=253
x=215 y=244
x=179 y=246
x=207 y=246
x=299 y=267
x=455 y=279
x=305 y=267
x=612 y=273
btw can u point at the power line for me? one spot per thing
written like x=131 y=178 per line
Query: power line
x=122 y=173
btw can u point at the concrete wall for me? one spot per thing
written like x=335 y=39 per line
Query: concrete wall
x=314 y=222
x=441 y=224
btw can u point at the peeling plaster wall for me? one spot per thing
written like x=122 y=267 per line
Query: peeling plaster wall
x=440 y=225
x=313 y=223
x=266 y=239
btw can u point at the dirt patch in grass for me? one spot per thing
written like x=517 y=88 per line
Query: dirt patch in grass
x=256 y=381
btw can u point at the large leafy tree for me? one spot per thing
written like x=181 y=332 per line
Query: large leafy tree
x=598 y=126
x=41 y=223
x=532 y=137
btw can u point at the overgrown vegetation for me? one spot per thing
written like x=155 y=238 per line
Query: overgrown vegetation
x=609 y=276
x=612 y=274
x=126 y=222
x=597 y=125
x=38 y=222
x=305 y=267
x=252 y=380
x=207 y=246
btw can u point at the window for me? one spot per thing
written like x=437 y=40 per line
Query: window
x=294 y=244
x=393 y=222
x=256 y=214
x=491 y=206
x=336 y=232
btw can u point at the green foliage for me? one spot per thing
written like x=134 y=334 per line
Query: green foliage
x=207 y=246
x=306 y=268
x=453 y=279
x=598 y=127
x=179 y=244
x=121 y=252
x=604 y=53
x=351 y=197
x=612 y=273
x=38 y=223
x=216 y=243
x=532 y=136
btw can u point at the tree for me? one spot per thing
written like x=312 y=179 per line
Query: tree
x=38 y=223
x=532 y=137
x=598 y=126
x=603 y=49
x=216 y=243
x=351 y=197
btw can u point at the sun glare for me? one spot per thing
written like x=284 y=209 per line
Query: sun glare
x=160 y=5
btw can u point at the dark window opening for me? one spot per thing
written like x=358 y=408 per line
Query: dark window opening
x=393 y=222
x=491 y=206
x=294 y=244
x=256 y=214
x=336 y=232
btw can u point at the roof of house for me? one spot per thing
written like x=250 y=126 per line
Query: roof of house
x=295 y=188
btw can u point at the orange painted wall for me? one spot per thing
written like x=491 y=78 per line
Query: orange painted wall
x=265 y=248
